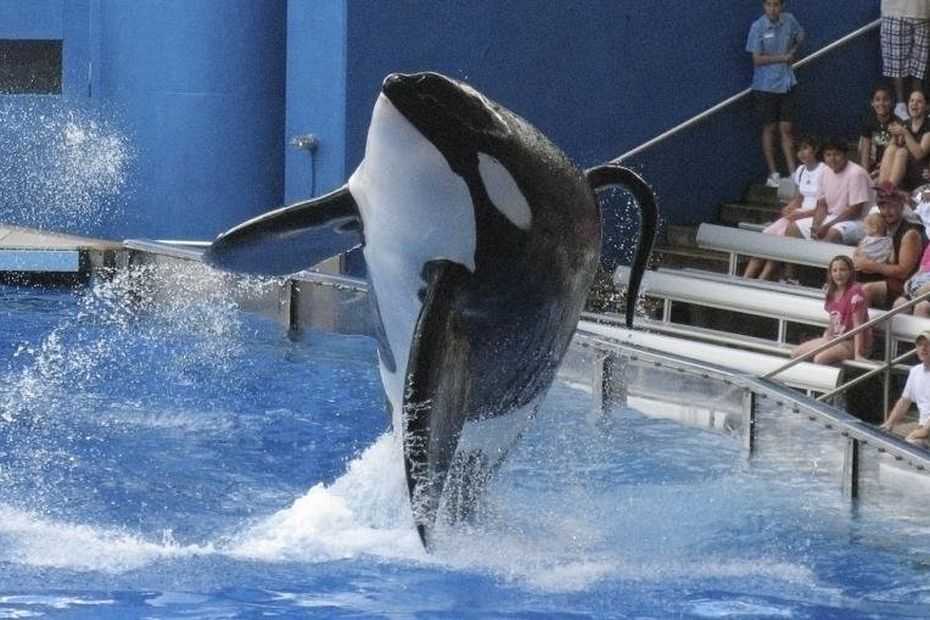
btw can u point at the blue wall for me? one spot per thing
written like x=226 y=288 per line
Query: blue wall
x=194 y=92
x=316 y=96
x=600 y=77
x=208 y=94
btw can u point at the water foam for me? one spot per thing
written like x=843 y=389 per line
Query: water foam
x=364 y=512
x=35 y=541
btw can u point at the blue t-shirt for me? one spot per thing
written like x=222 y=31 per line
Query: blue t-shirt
x=768 y=38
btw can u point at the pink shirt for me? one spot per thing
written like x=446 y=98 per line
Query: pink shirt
x=850 y=186
x=843 y=310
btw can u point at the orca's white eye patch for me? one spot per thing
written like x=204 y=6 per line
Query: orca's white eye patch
x=504 y=192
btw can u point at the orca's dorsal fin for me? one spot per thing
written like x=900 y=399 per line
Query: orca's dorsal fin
x=291 y=238
x=436 y=393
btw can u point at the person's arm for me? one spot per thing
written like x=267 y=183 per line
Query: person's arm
x=917 y=149
x=865 y=152
x=906 y=260
x=860 y=316
x=792 y=210
x=761 y=58
x=852 y=212
x=897 y=414
x=919 y=434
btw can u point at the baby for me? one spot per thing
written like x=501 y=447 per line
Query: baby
x=876 y=244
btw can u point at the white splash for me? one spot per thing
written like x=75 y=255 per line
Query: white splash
x=62 y=168
x=34 y=541
x=364 y=512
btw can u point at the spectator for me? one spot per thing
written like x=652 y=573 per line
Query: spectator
x=876 y=244
x=919 y=283
x=916 y=390
x=904 y=43
x=873 y=134
x=845 y=190
x=773 y=42
x=807 y=181
x=845 y=304
x=903 y=162
x=884 y=282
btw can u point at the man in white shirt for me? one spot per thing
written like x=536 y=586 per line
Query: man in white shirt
x=916 y=390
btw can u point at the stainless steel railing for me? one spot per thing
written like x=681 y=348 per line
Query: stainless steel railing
x=887 y=364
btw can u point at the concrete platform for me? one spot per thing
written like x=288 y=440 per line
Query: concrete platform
x=31 y=256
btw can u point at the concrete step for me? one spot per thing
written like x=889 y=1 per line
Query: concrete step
x=35 y=257
x=732 y=213
x=761 y=194
x=677 y=257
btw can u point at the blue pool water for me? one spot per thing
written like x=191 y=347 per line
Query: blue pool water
x=180 y=458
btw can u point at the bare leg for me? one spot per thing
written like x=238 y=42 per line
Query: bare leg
x=834 y=236
x=899 y=88
x=887 y=163
x=768 y=270
x=752 y=268
x=787 y=145
x=898 y=166
x=768 y=145
x=837 y=353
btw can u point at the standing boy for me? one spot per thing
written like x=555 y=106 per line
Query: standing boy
x=773 y=42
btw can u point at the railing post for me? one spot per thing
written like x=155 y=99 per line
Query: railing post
x=851 y=469
x=749 y=407
x=613 y=387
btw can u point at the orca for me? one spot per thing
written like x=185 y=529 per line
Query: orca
x=481 y=241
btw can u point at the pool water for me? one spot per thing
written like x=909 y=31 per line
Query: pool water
x=181 y=458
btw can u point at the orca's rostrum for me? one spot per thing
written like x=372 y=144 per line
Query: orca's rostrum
x=481 y=241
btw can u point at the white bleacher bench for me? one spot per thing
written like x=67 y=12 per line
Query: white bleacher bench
x=812 y=378
x=737 y=242
x=749 y=297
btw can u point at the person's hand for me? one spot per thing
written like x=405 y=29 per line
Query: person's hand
x=863 y=263
x=819 y=232
x=896 y=129
x=788 y=210
x=789 y=57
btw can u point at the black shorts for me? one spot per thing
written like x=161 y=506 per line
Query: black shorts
x=775 y=107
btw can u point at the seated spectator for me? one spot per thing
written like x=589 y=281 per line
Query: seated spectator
x=905 y=156
x=919 y=283
x=876 y=244
x=916 y=390
x=873 y=134
x=884 y=282
x=845 y=304
x=807 y=181
x=845 y=190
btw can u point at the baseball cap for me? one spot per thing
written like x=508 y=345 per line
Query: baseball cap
x=923 y=334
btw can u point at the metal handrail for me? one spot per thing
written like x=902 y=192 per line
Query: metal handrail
x=726 y=102
x=881 y=318
x=865 y=377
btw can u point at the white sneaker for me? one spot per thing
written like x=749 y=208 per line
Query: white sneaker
x=773 y=180
x=900 y=111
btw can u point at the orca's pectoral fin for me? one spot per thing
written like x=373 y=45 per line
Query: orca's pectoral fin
x=615 y=174
x=291 y=238
x=436 y=393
